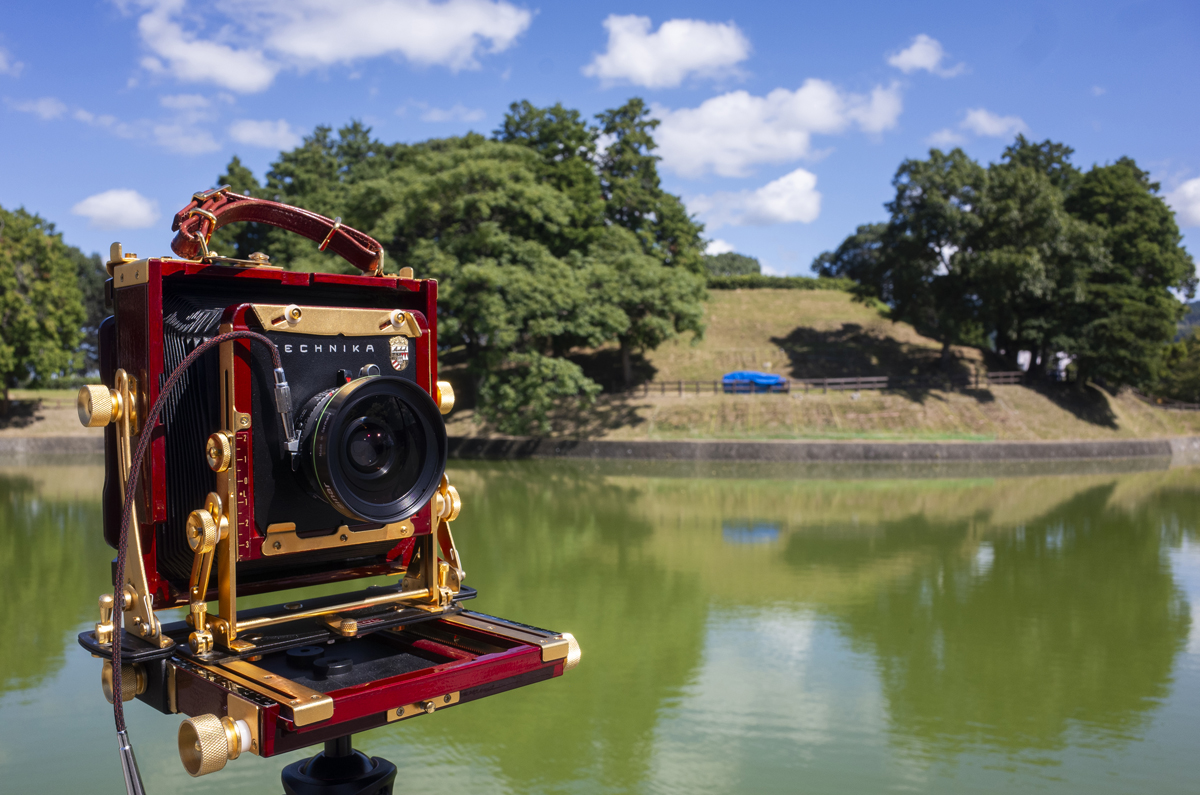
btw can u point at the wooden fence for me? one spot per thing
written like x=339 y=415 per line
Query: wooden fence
x=978 y=380
x=1165 y=403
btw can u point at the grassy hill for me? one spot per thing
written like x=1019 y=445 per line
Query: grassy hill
x=825 y=333
x=800 y=334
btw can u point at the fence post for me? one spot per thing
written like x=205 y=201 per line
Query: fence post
x=681 y=387
x=826 y=392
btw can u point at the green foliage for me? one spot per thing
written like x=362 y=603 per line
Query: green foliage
x=41 y=311
x=240 y=240
x=1029 y=254
x=540 y=243
x=760 y=282
x=1130 y=312
x=731 y=264
x=1179 y=377
x=92 y=276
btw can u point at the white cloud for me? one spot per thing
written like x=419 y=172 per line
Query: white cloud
x=267 y=134
x=118 y=209
x=793 y=198
x=946 y=137
x=1099 y=91
x=717 y=246
x=456 y=113
x=981 y=122
x=185 y=102
x=251 y=41
x=731 y=133
x=1185 y=201
x=184 y=139
x=986 y=123
x=182 y=134
x=192 y=59
x=46 y=108
x=8 y=66
x=664 y=58
x=925 y=53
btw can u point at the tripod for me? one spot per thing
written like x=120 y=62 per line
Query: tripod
x=339 y=770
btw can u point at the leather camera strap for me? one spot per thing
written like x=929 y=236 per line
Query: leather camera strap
x=211 y=210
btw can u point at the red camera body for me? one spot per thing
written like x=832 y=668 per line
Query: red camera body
x=292 y=431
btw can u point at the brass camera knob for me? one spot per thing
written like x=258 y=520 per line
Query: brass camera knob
x=574 y=653
x=445 y=397
x=133 y=681
x=207 y=742
x=218 y=450
x=202 y=533
x=206 y=526
x=97 y=405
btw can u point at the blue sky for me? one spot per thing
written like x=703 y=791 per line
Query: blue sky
x=783 y=123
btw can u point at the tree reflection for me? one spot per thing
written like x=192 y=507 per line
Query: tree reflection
x=1011 y=638
x=52 y=569
x=561 y=548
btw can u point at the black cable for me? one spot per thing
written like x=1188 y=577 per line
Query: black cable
x=131 y=490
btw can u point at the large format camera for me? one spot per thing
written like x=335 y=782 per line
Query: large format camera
x=267 y=430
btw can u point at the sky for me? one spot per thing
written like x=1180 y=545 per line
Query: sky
x=782 y=124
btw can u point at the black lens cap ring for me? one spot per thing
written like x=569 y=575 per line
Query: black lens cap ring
x=375 y=449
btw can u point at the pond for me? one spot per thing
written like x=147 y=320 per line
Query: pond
x=743 y=630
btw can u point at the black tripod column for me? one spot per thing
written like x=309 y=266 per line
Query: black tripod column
x=339 y=770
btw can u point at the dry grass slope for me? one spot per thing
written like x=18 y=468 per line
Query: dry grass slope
x=801 y=334
x=823 y=333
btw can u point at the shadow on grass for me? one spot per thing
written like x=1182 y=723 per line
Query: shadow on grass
x=852 y=351
x=604 y=367
x=21 y=414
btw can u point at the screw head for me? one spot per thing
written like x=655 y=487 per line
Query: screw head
x=277 y=545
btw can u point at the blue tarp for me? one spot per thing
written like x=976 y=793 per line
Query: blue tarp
x=753 y=381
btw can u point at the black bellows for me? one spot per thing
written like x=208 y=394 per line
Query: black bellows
x=190 y=415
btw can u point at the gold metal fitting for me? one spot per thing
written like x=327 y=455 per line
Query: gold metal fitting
x=200 y=641
x=574 y=653
x=219 y=451
x=133 y=681
x=445 y=397
x=259 y=258
x=292 y=314
x=206 y=526
x=446 y=503
x=207 y=742
x=98 y=405
x=104 y=628
x=405 y=273
x=117 y=256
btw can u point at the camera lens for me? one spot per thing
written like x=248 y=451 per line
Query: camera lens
x=374 y=449
x=370 y=446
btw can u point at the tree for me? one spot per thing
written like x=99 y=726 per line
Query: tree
x=1031 y=258
x=244 y=239
x=1179 y=377
x=92 y=276
x=659 y=303
x=919 y=263
x=731 y=264
x=41 y=312
x=1130 y=313
x=540 y=243
x=859 y=257
x=1031 y=254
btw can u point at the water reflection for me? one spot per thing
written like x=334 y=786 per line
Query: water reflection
x=738 y=635
x=49 y=579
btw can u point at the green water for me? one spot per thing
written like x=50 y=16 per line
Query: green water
x=756 y=635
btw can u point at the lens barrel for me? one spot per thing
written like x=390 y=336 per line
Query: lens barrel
x=375 y=449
